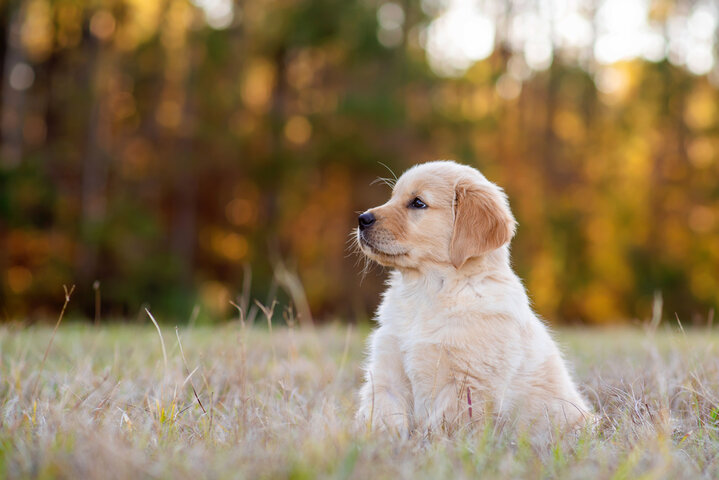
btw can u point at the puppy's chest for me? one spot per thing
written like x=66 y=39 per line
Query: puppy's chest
x=423 y=317
x=408 y=314
x=430 y=327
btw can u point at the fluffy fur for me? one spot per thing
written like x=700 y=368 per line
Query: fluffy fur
x=455 y=324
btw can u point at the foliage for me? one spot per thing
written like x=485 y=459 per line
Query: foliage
x=159 y=155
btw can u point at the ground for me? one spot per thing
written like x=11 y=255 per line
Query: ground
x=105 y=404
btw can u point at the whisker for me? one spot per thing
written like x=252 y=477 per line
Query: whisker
x=394 y=175
x=387 y=181
x=353 y=248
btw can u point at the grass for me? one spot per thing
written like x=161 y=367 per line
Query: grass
x=108 y=406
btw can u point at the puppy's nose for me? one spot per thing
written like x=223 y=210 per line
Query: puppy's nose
x=366 y=220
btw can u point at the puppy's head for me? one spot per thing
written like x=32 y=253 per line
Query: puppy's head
x=439 y=213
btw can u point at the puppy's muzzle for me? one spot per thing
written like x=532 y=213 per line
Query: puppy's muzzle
x=366 y=220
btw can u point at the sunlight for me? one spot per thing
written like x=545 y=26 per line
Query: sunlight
x=390 y=17
x=218 y=13
x=458 y=38
x=463 y=32
x=575 y=31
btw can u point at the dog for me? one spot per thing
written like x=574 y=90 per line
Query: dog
x=457 y=341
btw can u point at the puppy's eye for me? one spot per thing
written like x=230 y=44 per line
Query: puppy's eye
x=417 y=203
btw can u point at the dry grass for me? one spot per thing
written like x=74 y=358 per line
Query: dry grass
x=106 y=406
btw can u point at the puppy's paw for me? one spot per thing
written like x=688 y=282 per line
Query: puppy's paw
x=383 y=419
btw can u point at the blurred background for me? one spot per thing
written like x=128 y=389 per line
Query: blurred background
x=178 y=153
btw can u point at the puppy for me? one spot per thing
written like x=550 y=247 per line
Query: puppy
x=457 y=341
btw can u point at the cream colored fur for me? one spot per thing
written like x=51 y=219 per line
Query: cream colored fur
x=455 y=324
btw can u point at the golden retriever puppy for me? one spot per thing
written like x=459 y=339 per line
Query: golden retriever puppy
x=457 y=341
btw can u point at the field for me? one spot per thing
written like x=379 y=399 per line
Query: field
x=107 y=404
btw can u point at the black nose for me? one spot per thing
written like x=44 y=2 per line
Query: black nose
x=366 y=220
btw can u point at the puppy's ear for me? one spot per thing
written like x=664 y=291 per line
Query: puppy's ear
x=482 y=221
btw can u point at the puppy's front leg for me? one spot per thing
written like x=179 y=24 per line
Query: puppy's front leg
x=438 y=388
x=444 y=411
x=386 y=396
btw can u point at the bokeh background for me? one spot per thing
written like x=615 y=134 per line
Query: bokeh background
x=178 y=153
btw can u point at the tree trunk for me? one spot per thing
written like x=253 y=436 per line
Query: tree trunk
x=13 y=96
x=95 y=166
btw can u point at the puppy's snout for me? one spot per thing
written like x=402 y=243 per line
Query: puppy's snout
x=366 y=220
